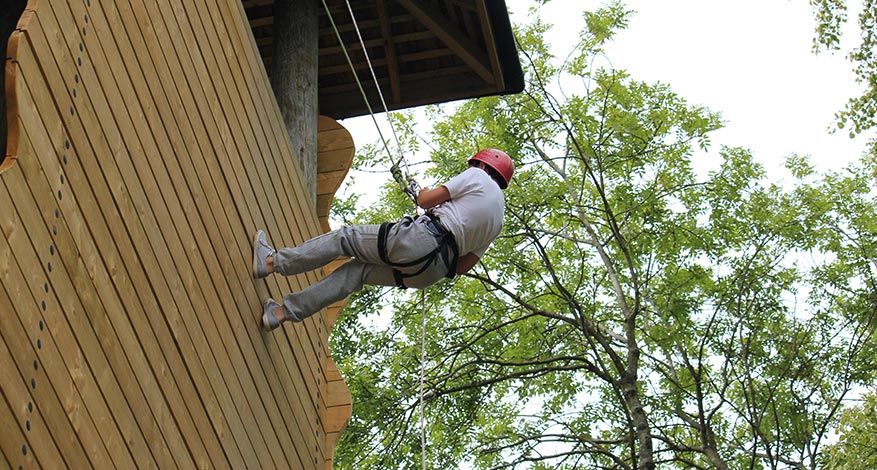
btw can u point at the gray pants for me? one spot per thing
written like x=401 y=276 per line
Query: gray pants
x=408 y=240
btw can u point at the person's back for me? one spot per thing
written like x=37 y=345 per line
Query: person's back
x=475 y=211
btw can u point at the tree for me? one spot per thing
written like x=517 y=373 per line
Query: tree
x=830 y=16
x=639 y=310
x=857 y=447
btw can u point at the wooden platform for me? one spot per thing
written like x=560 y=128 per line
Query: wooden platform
x=145 y=148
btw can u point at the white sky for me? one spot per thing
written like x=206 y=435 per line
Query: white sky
x=750 y=60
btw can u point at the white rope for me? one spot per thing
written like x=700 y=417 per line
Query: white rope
x=396 y=162
x=422 y=373
x=368 y=106
x=377 y=85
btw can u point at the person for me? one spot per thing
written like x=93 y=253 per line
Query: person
x=463 y=217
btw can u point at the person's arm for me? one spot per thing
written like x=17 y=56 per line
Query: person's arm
x=466 y=262
x=429 y=198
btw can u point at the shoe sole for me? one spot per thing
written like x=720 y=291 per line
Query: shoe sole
x=266 y=323
x=255 y=255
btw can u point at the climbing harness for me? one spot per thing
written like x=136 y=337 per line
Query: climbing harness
x=447 y=249
x=411 y=188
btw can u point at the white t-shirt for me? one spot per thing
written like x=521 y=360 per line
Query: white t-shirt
x=474 y=213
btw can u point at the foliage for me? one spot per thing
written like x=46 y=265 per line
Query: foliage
x=857 y=447
x=831 y=15
x=650 y=303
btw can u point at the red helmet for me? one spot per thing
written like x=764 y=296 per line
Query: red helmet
x=499 y=161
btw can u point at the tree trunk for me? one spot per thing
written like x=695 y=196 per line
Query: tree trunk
x=645 y=452
x=294 y=75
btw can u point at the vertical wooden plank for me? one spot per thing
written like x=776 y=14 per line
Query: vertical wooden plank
x=13 y=444
x=193 y=178
x=219 y=85
x=161 y=239
x=17 y=411
x=37 y=411
x=245 y=121
x=93 y=285
x=172 y=27
x=262 y=114
x=4 y=462
x=69 y=395
x=195 y=344
x=168 y=179
x=41 y=335
x=69 y=296
x=256 y=409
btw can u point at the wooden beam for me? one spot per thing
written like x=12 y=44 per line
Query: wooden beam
x=448 y=33
x=264 y=21
x=363 y=24
x=465 y=4
x=417 y=89
x=398 y=38
x=487 y=30
x=390 y=51
x=256 y=3
x=450 y=74
x=413 y=57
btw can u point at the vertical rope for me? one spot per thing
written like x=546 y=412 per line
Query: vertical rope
x=395 y=163
x=359 y=83
x=422 y=373
x=400 y=158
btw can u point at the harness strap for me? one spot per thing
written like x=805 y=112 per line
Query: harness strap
x=446 y=239
x=449 y=241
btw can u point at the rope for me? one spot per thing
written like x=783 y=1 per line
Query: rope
x=398 y=176
x=422 y=373
x=377 y=86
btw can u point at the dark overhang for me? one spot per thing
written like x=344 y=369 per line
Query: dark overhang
x=423 y=52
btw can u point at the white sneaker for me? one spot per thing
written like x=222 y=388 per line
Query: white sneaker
x=261 y=251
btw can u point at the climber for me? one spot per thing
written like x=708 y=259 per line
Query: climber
x=464 y=215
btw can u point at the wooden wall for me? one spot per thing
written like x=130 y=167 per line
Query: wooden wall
x=145 y=148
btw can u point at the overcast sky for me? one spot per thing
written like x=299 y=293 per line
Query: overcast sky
x=750 y=60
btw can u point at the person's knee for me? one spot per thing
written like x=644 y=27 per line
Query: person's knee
x=347 y=237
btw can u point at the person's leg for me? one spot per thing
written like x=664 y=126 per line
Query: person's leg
x=358 y=241
x=407 y=241
x=347 y=279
